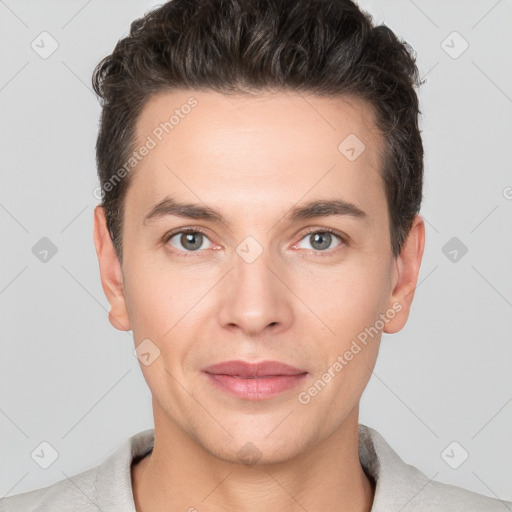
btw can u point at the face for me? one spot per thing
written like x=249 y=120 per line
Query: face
x=255 y=231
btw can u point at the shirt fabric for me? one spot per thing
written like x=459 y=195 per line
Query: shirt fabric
x=400 y=487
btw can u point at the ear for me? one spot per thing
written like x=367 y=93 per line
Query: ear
x=405 y=276
x=110 y=271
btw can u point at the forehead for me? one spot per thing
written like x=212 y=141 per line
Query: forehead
x=292 y=114
x=283 y=144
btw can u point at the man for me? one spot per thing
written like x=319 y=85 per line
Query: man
x=261 y=168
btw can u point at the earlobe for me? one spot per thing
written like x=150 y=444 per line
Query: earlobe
x=407 y=267
x=110 y=272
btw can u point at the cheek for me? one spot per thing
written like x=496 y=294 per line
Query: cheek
x=349 y=305
x=153 y=298
x=347 y=298
x=164 y=300
x=160 y=305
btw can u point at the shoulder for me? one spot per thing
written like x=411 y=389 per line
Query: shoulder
x=106 y=487
x=439 y=496
x=401 y=486
x=76 y=493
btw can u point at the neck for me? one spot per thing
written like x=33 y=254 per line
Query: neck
x=181 y=475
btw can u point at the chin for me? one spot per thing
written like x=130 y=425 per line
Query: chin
x=258 y=449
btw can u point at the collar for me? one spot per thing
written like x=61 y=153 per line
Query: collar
x=397 y=483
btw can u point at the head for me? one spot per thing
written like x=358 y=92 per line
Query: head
x=283 y=136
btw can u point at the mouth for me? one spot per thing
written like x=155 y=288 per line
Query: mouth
x=254 y=381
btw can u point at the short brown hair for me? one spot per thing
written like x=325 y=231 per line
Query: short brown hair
x=324 y=47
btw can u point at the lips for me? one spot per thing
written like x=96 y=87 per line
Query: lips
x=253 y=370
x=254 y=381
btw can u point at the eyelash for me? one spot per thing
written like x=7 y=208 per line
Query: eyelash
x=186 y=254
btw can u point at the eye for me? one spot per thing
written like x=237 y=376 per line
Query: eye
x=189 y=240
x=320 y=240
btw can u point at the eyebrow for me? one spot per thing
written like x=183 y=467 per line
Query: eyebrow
x=313 y=209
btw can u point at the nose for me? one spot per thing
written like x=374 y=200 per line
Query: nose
x=254 y=297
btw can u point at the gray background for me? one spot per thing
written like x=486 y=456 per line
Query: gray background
x=70 y=379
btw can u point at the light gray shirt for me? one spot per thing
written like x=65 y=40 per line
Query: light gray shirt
x=399 y=486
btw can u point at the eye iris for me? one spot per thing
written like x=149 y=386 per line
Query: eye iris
x=194 y=239
x=322 y=239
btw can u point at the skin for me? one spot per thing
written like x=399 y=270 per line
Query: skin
x=253 y=159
